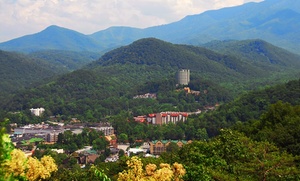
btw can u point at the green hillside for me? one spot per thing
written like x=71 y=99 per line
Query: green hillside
x=256 y=51
x=68 y=59
x=107 y=86
x=19 y=71
x=250 y=106
x=235 y=69
x=272 y=114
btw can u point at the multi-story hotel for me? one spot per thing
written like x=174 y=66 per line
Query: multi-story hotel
x=166 y=117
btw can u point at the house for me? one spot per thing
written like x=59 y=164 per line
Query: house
x=159 y=146
x=112 y=139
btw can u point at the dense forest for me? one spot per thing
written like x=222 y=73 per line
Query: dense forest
x=70 y=60
x=19 y=71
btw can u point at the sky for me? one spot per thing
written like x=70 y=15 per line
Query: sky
x=23 y=17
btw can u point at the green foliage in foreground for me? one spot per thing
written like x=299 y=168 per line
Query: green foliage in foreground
x=5 y=146
x=233 y=156
x=280 y=125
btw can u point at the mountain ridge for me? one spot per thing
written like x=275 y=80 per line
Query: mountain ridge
x=274 y=21
x=53 y=38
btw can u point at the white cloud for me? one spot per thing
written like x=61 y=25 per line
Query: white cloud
x=21 y=17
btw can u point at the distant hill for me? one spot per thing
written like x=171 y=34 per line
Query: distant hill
x=19 y=71
x=266 y=60
x=257 y=51
x=52 y=38
x=117 y=36
x=107 y=85
x=274 y=21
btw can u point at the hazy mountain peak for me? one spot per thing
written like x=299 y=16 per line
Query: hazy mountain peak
x=275 y=21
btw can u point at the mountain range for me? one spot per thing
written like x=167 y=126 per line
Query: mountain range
x=274 y=21
x=106 y=86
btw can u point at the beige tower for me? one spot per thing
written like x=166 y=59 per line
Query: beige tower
x=183 y=77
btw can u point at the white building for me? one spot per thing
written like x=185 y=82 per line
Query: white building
x=37 y=111
x=183 y=77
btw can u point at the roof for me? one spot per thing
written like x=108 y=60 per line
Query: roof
x=91 y=151
x=32 y=140
x=135 y=150
x=166 y=141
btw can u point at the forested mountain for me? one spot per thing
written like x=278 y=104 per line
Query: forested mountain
x=274 y=21
x=271 y=114
x=250 y=106
x=233 y=67
x=68 y=59
x=256 y=50
x=107 y=86
x=52 y=38
x=116 y=36
x=19 y=71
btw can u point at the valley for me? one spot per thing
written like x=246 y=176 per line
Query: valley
x=213 y=96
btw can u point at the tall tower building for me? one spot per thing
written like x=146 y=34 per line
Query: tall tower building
x=183 y=77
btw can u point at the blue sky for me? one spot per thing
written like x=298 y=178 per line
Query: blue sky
x=22 y=17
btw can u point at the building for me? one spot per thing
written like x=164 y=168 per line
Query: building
x=140 y=119
x=159 y=146
x=145 y=96
x=167 y=117
x=135 y=151
x=37 y=111
x=183 y=77
x=49 y=134
x=162 y=118
x=52 y=137
x=107 y=130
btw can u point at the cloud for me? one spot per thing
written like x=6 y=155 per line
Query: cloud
x=20 y=17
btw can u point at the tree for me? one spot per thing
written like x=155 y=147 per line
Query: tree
x=279 y=124
x=5 y=147
x=100 y=144
x=164 y=173
x=201 y=134
x=121 y=153
x=123 y=138
x=99 y=174
x=171 y=154
x=22 y=168
x=233 y=156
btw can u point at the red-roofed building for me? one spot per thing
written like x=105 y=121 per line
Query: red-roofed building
x=169 y=117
